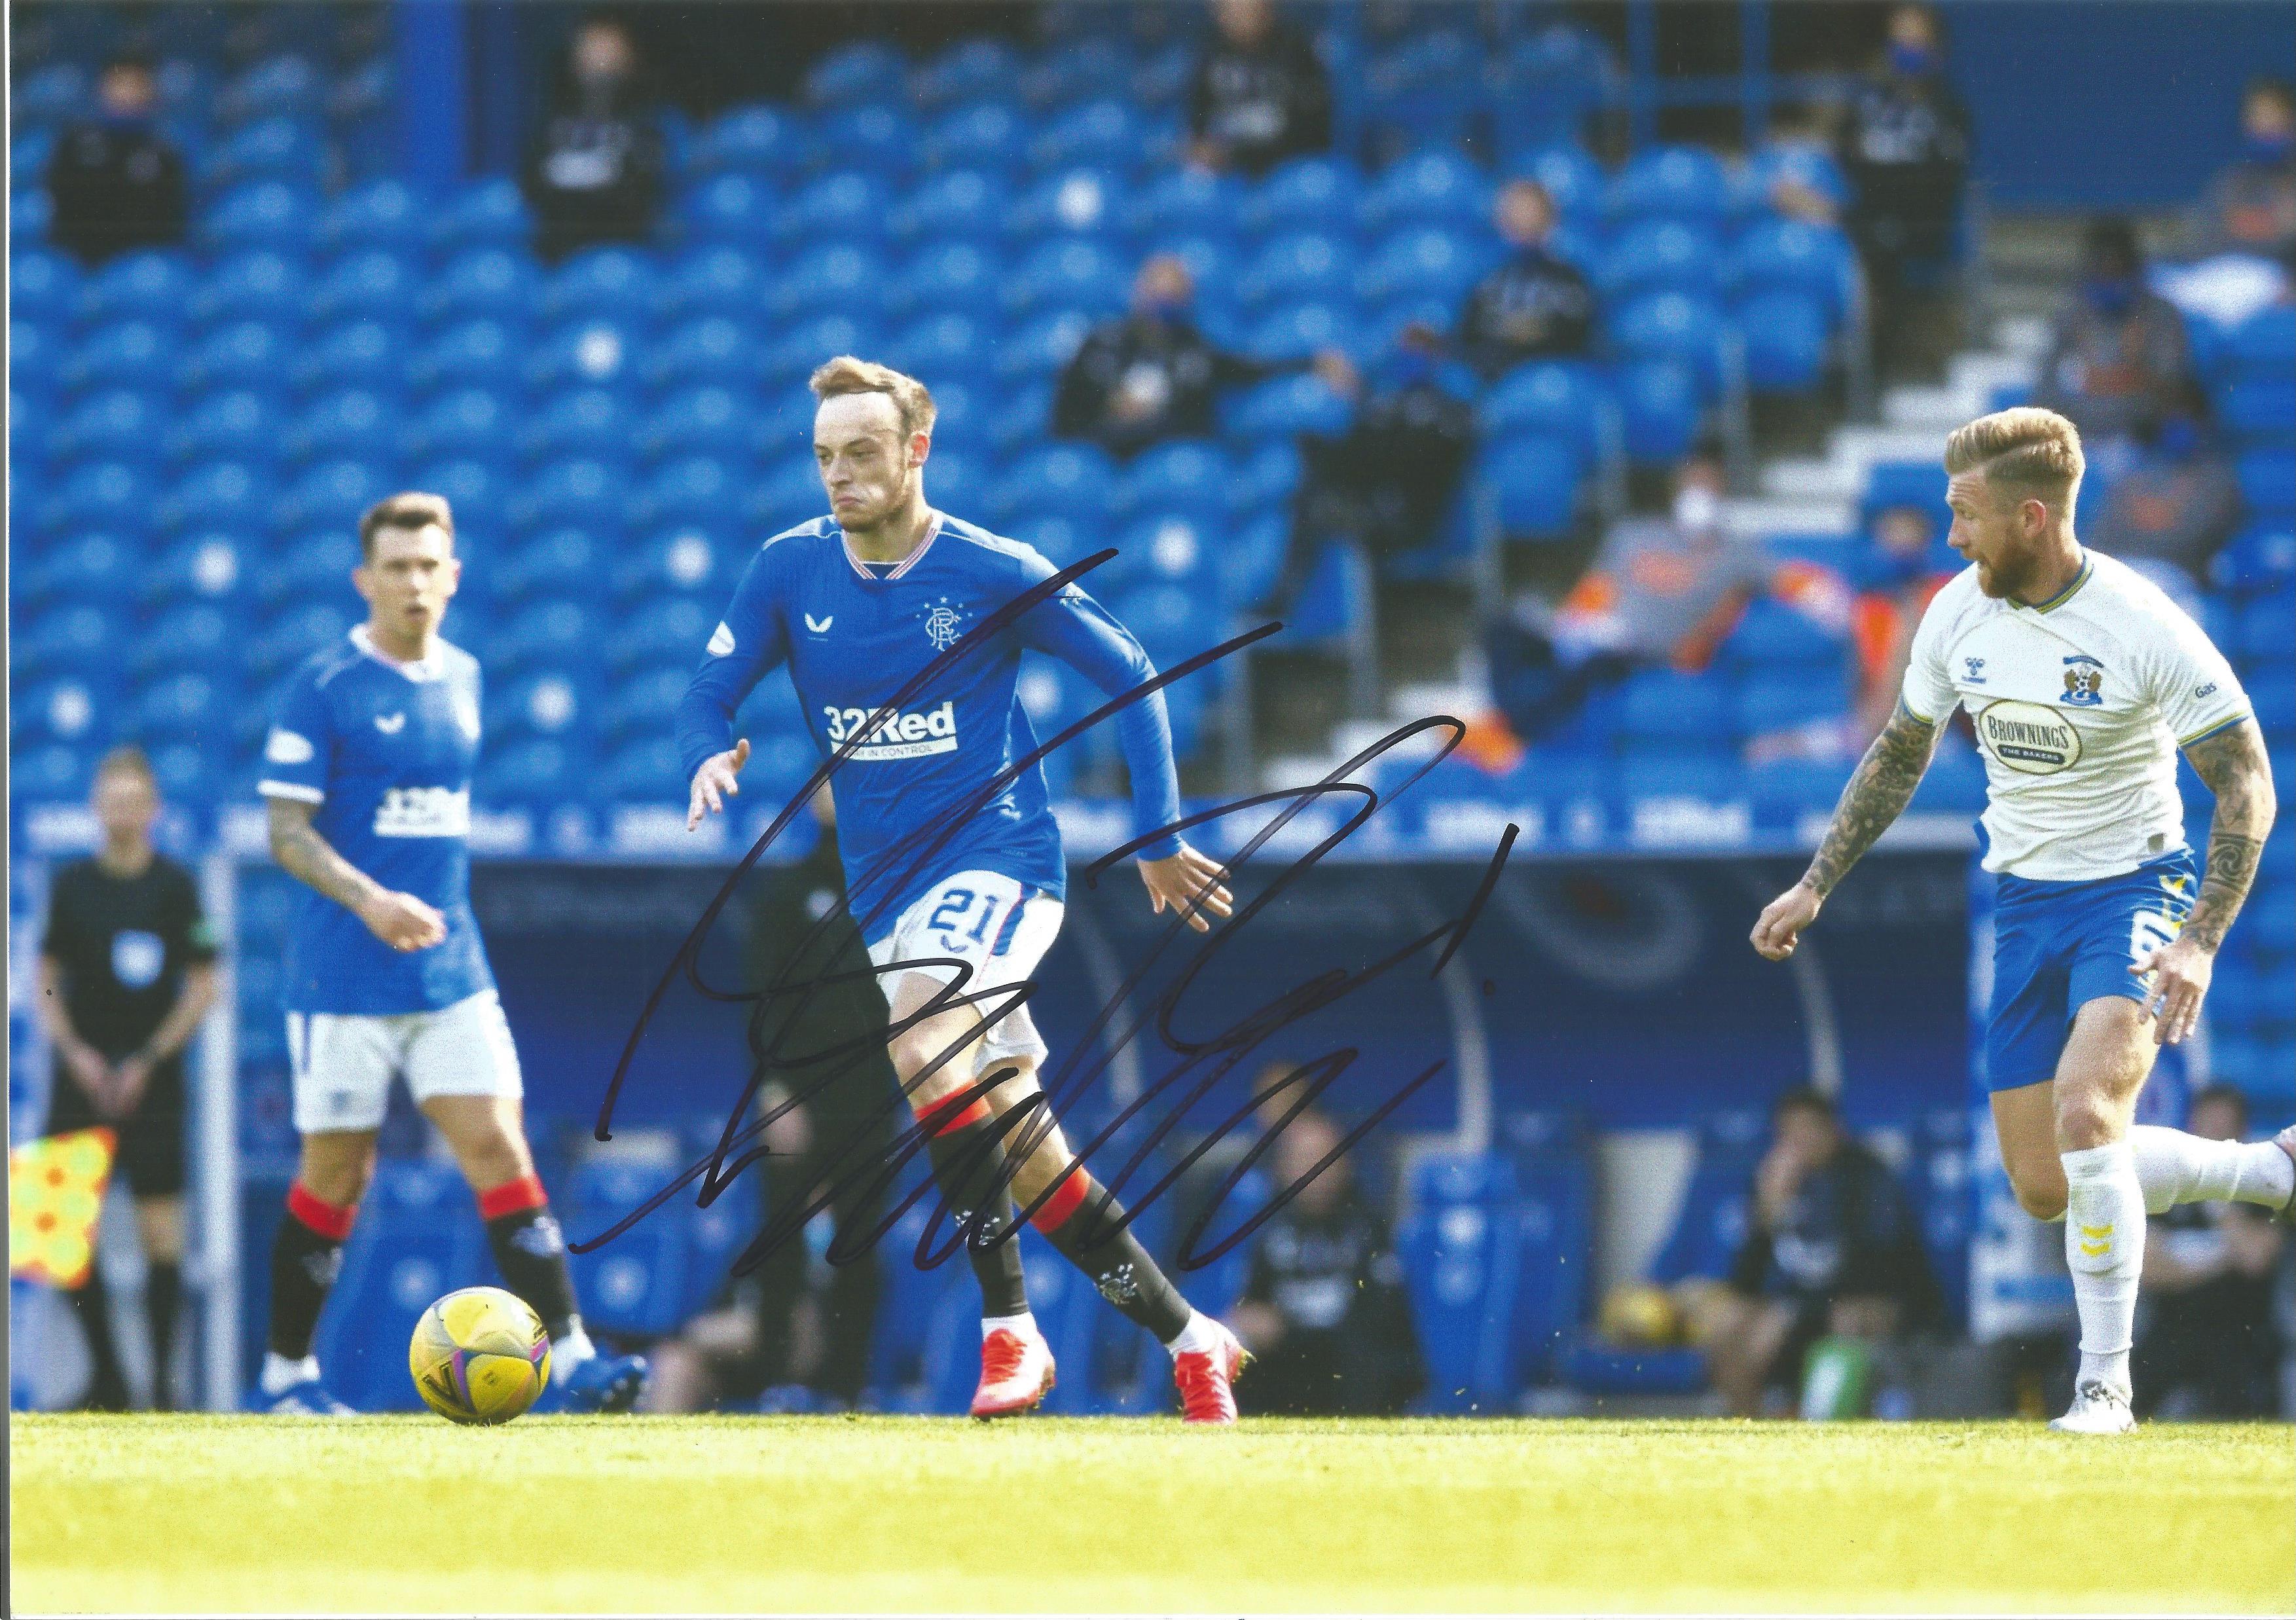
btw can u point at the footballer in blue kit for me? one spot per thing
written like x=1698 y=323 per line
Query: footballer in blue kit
x=366 y=775
x=903 y=630
x=2083 y=681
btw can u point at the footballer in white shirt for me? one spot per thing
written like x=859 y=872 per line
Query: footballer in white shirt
x=2082 y=680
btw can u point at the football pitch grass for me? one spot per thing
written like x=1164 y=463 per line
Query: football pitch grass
x=152 y=1515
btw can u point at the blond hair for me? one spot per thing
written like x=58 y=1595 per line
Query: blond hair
x=848 y=374
x=2027 y=451
x=411 y=509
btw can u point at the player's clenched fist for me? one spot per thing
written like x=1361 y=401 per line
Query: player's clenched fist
x=714 y=782
x=1782 y=920
x=403 y=921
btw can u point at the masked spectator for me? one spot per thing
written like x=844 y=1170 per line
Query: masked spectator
x=2206 y=1345
x=1259 y=95
x=116 y=182
x=1324 y=1309
x=1832 y=1249
x=1534 y=306
x=1905 y=152
x=2119 y=357
x=2251 y=208
x=2178 y=503
x=1902 y=573
x=1151 y=376
x=1387 y=482
x=595 y=174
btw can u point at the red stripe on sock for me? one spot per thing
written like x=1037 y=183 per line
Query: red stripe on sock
x=512 y=1197
x=1073 y=1191
x=940 y=1119
x=332 y=1221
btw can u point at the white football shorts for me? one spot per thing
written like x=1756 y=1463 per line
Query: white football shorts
x=344 y=1062
x=999 y=927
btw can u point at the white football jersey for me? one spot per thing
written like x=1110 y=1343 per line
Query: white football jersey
x=2080 y=705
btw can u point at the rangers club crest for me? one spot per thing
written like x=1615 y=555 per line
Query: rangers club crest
x=941 y=628
x=2084 y=681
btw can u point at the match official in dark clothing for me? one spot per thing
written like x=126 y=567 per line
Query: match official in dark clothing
x=1324 y=1310
x=116 y=182
x=1259 y=95
x=1831 y=1248
x=1906 y=151
x=127 y=972
x=595 y=174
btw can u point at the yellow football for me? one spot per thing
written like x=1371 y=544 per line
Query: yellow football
x=480 y=1355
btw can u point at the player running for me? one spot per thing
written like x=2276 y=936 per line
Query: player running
x=859 y=603
x=367 y=778
x=2083 y=680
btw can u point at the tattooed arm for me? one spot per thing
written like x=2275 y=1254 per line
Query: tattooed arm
x=2233 y=764
x=1878 y=792
x=403 y=922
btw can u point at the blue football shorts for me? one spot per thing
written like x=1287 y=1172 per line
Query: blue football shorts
x=2059 y=946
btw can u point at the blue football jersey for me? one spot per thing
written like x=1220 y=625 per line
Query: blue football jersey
x=385 y=751
x=855 y=635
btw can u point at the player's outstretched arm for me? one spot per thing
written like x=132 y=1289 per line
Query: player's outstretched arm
x=715 y=782
x=1878 y=792
x=1178 y=879
x=401 y=921
x=2233 y=764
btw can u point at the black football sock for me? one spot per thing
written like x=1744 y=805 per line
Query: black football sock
x=107 y=1388
x=1080 y=1220
x=531 y=1251
x=968 y=1164
x=304 y=1260
x=163 y=1294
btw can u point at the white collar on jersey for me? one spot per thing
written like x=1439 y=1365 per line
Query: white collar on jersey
x=932 y=533
x=433 y=668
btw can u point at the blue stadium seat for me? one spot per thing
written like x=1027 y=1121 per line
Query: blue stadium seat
x=53 y=772
x=775 y=709
x=1572 y=179
x=50 y=95
x=150 y=285
x=1250 y=557
x=192 y=705
x=1905 y=483
x=1075 y=202
x=1565 y=398
x=2258 y=408
x=540 y=771
x=1296 y=333
x=418 y=1236
x=716 y=280
x=43 y=285
x=1040 y=347
x=1424 y=261
x=1534 y=474
x=1461 y=1246
x=1661 y=406
x=65 y=712
x=357 y=353
x=1802 y=163
x=799 y=349
x=281 y=148
x=189 y=773
x=489 y=213
x=787 y=493
x=211 y=566
x=30 y=215
x=1305 y=194
x=1183 y=476
x=1184 y=201
x=260 y=283
x=283 y=85
x=2264 y=343
x=596 y=351
x=126 y=353
x=1678 y=182
x=482 y=353
x=196 y=635
x=1075 y=70
x=952 y=204
x=1300 y=266
x=1685 y=328
x=342 y=422
x=711 y=419
x=2268 y=481
x=1792 y=255
x=1791 y=787
x=578 y=421
x=1663 y=255
x=1106 y=131
x=543 y=633
x=938 y=346
x=636 y=1284
x=1067 y=274
x=971 y=69
x=385 y=214
x=1063 y=540
x=733 y=210
x=845 y=207
x=492 y=283
x=112 y=495
x=1687 y=710
x=689 y=489
x=572 y=491
x=332 y=494
x=1781 y=701
x=1264 y=473
x=1436 y=186
x=838 y=276
x=1787 y=339
x=876 y=136
x=477 y=491
x=85 y=565
x=1169 y=622
x=311 y=566
x=552 y=701
x=260 y=214
x=1284 y=408
x=559 y=564
x=665 y=629
x=371 y=283
x=1173 y=548
x=641 y=703
x=858 y=70
x=758 y=139
x=617 y=283
x=646 y=769
x=112 y=424
x=981 y=134
x=1772 y=635
x=475 y=422
x=80 y=639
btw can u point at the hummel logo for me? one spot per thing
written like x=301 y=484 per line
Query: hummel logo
x=390 y=725
x=819 y=627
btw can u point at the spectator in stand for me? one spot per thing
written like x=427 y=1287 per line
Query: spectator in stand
x=595 y=174
x=2176 y=503
x=1902 y=574
x=1534 y=306
x=1324 y=1309
x=116 y=182
x=1832 y=1250
x=127 y=972
x=1905 y=152
x=2251 y=208
x=1152 y=376
x=1387 y=482
x=1259 y=95
x=796 y=1329
x=2208 y=1345
x=2119 y=357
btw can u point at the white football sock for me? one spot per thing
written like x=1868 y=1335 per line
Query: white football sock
x=281 y=1375
x=2105 y=1247
x=2178 y=1167
x=569 y=1351
x=1199 y=1337
x=1024 y=1324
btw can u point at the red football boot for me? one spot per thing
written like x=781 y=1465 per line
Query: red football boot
x=1016 y=1373
x=1207 y=1378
